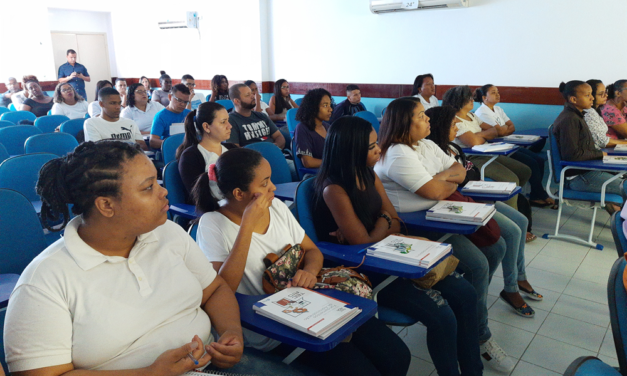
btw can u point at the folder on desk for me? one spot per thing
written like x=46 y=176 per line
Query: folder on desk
x=307 y=311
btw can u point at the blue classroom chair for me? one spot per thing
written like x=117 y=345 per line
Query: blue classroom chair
x=4 y=109
x=227 y=103
x=590 y=366
x=4 y=154
x=48 y=124
x=304 y=214
x=21 y=234
x=617 y=301
x=372 y=118
x=16 y=116
x=176 y=190
x=13 y=138
x=290 y=117
x=58 y=143
x=20 y=173
x=73 y=126
x=620 y=240
x=193 y=230
x=208 y=97
x=169 y=146
x=5 y=123
x=3 y=363
x=383 y=111
x=87 y=116
x=12 y=107
x=299 y=101
x=297 y=162
x=555 y=172
x=280 y=169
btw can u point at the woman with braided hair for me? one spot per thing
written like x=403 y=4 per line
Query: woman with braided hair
x=124 y=290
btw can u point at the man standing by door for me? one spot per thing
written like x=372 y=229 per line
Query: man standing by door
x=74 y=73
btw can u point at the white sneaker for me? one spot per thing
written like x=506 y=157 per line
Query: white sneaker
x=495 y=357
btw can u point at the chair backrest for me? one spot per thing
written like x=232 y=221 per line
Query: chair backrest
x=297 y=162
x=193 y=230
x=623 y=190
x=73 y=126
x=5 y=123
x=372 y=118
x=3 y=110
x=16 y=116
x=13 y=138
x=299 y=101
x=554 y=157
x=2 y=360
x=617 y=301
x=57 y=143
x=174 y=184
x=383 y=111
x=12 y=107
x=620 y=240
x=86 y=116
x=4 y=154
x=227 y=103
x=304 y=207
x=48 y=124
x=20 y=173
x=280 y=169
x=21 y=234
x=208 y=97
x=290 y=117
x=169 y=146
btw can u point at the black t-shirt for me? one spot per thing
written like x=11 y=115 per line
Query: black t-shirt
x=39 y=109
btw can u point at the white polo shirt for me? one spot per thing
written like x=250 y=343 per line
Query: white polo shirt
x=432 y=102
x=143 y=119
x=122 y=130
x=72 y=304
x=491 y=117
x=94 y=109
x=76 y=111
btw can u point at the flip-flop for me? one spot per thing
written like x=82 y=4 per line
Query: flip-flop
x=524 y=311
x=531 y=294
x=530 y=237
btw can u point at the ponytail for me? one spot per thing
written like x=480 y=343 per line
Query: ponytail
x=203 y=196
x=570 y=89
x=616 y=86
x=54 y=193
x=191 y=137
x=481 y=92
x=610 y=91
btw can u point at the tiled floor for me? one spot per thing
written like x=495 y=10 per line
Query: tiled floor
x=573 y=320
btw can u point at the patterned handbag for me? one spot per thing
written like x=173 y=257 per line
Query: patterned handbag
x=280 y=268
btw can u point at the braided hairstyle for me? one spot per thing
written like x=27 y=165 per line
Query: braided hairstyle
x=92 y=170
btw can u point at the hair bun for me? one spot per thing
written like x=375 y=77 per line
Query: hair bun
x=562 y=87
x=162 y=72
x=478 y=95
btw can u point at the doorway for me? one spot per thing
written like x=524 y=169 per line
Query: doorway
x=91 y=51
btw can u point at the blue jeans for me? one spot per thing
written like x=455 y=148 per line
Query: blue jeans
x=514 y=230
x=592 y=181
x=449 y=312
x=478 y=266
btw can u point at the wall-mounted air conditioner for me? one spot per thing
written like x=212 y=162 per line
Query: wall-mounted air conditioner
x=191 y=22
x=386 y=6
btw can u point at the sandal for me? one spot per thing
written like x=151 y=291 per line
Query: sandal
x=531 y=294
x=530 y=237
x=524 y=311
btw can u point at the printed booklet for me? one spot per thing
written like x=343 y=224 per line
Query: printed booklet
x=469 y=213
x=489 y=187
x=521 y=137
x=615 y=159
x=410 y=251
x=496 y=146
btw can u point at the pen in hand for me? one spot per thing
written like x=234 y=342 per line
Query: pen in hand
x=192 y=358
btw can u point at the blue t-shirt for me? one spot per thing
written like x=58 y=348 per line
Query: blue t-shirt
x=66 y=70
x=163 y=119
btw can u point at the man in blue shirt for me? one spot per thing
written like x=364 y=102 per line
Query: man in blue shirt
x=175 y=113
x=74 y=73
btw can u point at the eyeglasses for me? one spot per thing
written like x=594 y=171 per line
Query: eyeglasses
x=180 y=100
x=285 y=87
x=190 y=85
x=67 y=90
x=141 y=92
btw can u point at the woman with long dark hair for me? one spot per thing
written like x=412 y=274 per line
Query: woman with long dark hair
x=238 y=232
x=205 y=131
x=351 y=207
x=313 y=114
x=123 y=279
x=281 y=101
x=68 y=102
x=219 y=88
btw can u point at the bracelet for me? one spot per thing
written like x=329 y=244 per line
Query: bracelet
x=385 y=216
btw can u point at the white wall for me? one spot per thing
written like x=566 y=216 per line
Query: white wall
x=505 y=42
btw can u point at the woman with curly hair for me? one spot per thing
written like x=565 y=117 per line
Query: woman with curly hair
x=281 y=101
x=219 y=88
x=68 y=102
x=314 y=113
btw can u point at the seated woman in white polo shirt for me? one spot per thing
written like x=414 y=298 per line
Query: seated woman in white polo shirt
x=237 y=233
x=424 y=89
x=124 y=288
x=67 y=102
x=140 y=108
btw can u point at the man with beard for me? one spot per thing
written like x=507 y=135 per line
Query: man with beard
x=250 y=126
x=109 y=125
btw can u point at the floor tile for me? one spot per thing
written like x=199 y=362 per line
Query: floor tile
x=583 y=310
x=595 y=292
x=552 y=354
x=547 y=280
x=513 y=340
x=415 y=337
x=419 y=367
x=502 y=313
x=608 y=348
x=557 y=265
x=572 y=252
x=573 y=332
x=611 y=361
x=592 y=273
x=527 y=369
x=491 y=300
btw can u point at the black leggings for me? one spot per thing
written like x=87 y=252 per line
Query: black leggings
x=374 y=350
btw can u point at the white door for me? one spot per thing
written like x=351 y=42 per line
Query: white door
x=91 y=51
